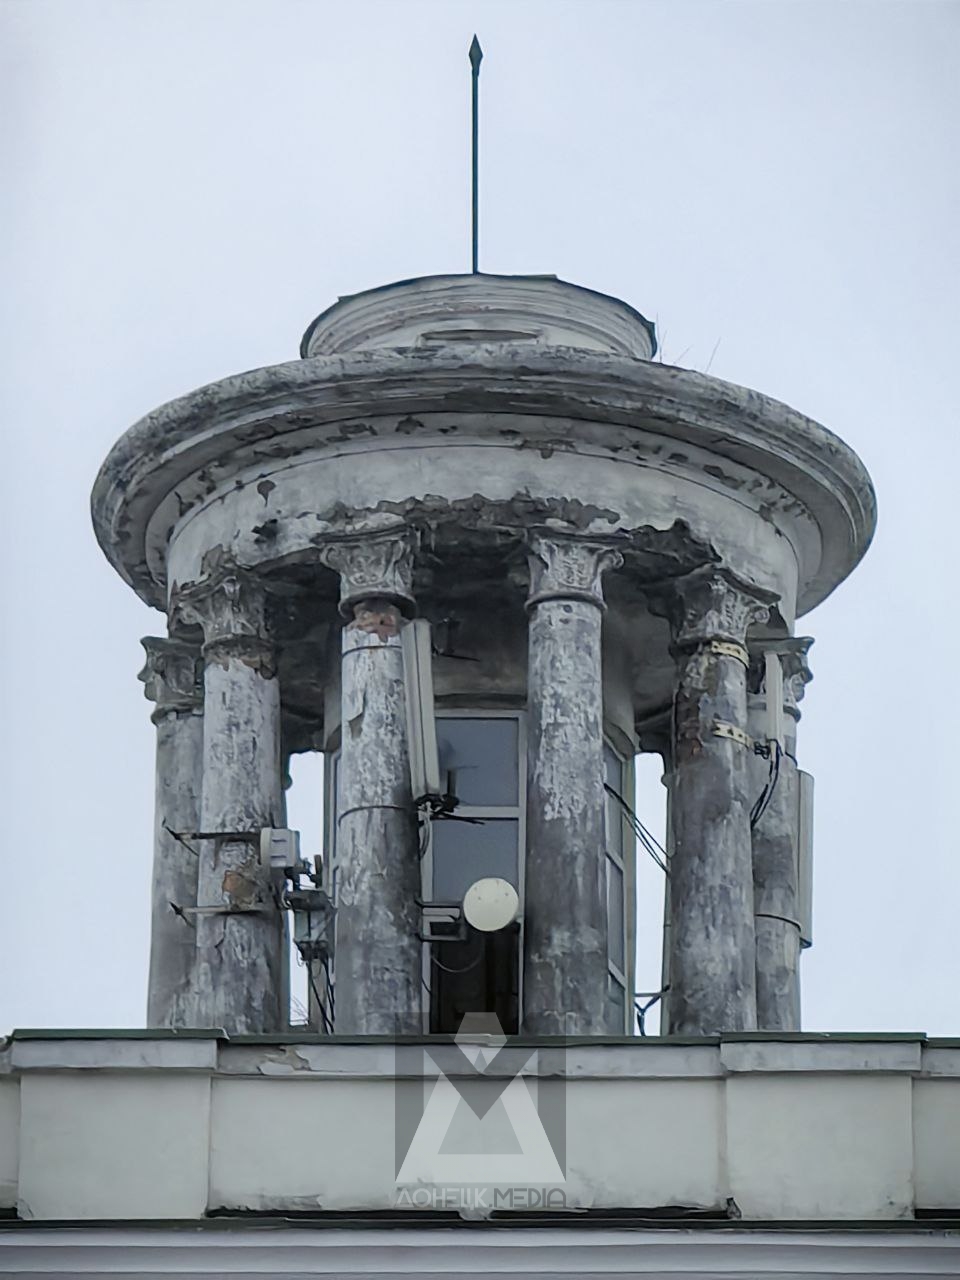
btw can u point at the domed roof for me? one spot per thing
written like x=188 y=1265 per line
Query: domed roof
x=434 y=311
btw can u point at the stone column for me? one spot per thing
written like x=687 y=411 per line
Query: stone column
x=775 y=844
x=173 y=679
x=565 y=913
x=241 y=965
x=712 y=956
x=377 y=958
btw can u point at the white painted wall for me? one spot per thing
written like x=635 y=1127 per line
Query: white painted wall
x=172 y=1128
x=99 y=1144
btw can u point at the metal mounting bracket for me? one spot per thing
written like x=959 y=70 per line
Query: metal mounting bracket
x=432 y=913
x=720 y=729
x=254 y=909
x=727 y=649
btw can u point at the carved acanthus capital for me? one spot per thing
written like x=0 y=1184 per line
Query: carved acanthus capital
x=232 y=610
x=376 y=567
x=796 y=674
x=172 y=676
x=564 y=568
x=712 y=605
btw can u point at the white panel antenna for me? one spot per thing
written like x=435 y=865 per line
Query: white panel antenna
x=805 y=856
x=417 y=649
x=773 y=694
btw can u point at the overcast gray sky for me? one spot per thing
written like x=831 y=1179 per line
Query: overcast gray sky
x=188 y=182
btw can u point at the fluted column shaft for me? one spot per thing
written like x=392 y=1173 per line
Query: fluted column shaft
x=775 y=848
x=173 y=680
x=241 y=969
x=377 y=959
x=712 y=954
x=565 y=916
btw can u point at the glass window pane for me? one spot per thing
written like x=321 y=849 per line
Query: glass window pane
x=615 y=914
x=464 y=852
x=483 y=756
x=612 y=766
x=613 y=777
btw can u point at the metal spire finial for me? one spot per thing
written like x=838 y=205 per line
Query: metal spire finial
x=476 y=57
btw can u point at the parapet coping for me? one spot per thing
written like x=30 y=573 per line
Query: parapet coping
x=306 y=1056
x=300 y=1036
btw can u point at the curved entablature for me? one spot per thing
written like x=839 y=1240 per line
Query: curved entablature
x=696 y=447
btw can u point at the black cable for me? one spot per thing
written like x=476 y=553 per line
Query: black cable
x=180 y=840
x=774 y=779
x=762 y=801
x=446 y=969
x=634 y=820
x=327 y=1024
x=642 y=1010
x=325 y=961
x=649 y=842
x=424 y=825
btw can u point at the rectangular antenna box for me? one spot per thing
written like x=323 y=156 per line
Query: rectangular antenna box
x=417 y=649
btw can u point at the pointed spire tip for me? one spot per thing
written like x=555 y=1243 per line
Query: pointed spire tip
x=476 y=54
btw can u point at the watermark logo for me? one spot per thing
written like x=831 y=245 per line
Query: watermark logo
x=480 y=1122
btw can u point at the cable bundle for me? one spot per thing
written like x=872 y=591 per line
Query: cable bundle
x=766 y=795
x=647 y=840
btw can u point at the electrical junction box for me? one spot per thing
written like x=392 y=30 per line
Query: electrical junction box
x=313 y=914
x=279 y=848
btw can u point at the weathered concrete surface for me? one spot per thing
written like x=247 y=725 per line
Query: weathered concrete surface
x=240 y=979
x=822 y=1128
x=565 y=921
x=480 y=308
x=377 y=963
x=666 y=436
x=377 y=960
x=474 y=410
x=712 y=962
x=775 y=904
x=775 y=845
x=597 y=479
x=173 y=679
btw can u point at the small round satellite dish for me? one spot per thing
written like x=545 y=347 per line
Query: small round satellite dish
x=491 y=904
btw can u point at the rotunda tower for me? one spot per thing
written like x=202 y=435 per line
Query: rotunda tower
x=611 y=554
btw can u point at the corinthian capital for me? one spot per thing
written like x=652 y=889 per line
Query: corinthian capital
x=378 y=566
x=568 y=569
x=232 y=610
x=172 y=675
x=711 y=604
x=796 y=673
